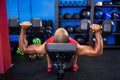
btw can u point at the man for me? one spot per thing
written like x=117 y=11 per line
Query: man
x=61 y=36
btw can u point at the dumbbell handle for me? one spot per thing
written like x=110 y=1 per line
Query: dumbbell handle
x=21 y=24
x=94 y=31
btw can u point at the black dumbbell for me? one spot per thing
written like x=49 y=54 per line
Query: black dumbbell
x=76 y=16
x=40 y=56
x=69 y=29
x=85 y=14
x=67 y=16
x=48 y=30
x=44 y=23
x=37 y=26
x=85 y=25
x=49 y=23
x=32 y=57
x=14 y=26
x=77 y=29
x=107 y=26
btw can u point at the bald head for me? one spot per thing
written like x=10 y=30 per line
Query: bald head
x=61 y=36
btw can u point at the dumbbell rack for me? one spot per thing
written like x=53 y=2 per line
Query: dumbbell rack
x=91 y=6
x=58 y=21
x=116 y=34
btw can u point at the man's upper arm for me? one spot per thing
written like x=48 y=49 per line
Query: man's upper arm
x=86 y=50
x=32 y=49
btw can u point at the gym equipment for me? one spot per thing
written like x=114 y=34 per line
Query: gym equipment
x=40 y=56
x=79 y=3
x=13 y=25
x=36 y=41
x=80 y=40
x=85 y=14
x=94 y=39
x=60 y=16
x=61 y=3
x=104 y=40
x=67 y=16
x=66 y=3
x=77 y=29
x=98 y=14
x=69 y=29
x=60 y=55
x=44 y=23
x=84 y=3
x=107 y=3
x=85 y=25
x=48 y=30
x=19 y=52
x=70 y=3
x=37 y=26
x=76 y=16
x=107 y=26
x=116 y=2
x=49 y=23
x=75 y=3
x=32 y=57
x=115 y=16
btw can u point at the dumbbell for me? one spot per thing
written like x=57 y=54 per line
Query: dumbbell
x=48 y=28
x=44 y=23
x=107 y=3
x=67 y=16
x=37 y=27
x=76 y=16
x=85 y=25
x=106 y=26
x=85 y=14
x=40 y=56
x=77 y=29
x=69 y=29
x=32 y=57
x=14 y=26
x=49 y=23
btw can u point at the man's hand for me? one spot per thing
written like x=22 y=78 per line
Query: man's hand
x=25 y=25
x=96 y=27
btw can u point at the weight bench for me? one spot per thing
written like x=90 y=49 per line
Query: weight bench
x=60 y=55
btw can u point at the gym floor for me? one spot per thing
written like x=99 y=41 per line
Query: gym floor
x=105 y=67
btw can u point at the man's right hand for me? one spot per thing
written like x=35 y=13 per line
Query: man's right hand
x=25 y=25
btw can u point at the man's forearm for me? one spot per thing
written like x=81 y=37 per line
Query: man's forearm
x=99 y=43
x=22 y=40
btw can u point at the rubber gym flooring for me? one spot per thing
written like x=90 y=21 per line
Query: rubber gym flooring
x=105 y=67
